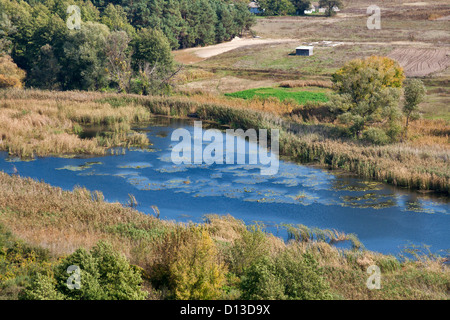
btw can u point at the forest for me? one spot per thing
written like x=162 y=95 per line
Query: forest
x=120 y=45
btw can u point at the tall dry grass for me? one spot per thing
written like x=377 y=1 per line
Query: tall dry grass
x=48 y=124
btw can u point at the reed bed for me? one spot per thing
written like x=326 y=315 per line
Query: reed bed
x=42 y=126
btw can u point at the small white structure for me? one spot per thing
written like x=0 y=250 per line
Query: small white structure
x=308 y=11
x=254 y=8
x=322 y=10
x=304 y=51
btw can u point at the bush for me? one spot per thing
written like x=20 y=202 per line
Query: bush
x=189 y=265
x=252 y=246
x=11 y=76
x=376 y=136
x=104 y=275
x=291 y=275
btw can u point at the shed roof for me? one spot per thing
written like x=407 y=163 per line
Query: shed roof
x=305 y=47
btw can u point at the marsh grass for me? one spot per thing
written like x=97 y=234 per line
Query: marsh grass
x=40 y=125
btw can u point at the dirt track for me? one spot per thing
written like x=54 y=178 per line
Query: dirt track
x=198 y=54
x=421 y=62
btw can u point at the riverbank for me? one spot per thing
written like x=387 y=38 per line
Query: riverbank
x=416 y=166
x=47 y=223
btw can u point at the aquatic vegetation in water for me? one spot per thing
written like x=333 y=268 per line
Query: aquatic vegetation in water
x=345 y=185
x=81 y=167
x=369 y=200
x=140 y=165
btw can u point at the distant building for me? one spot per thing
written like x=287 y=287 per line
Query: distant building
x=315 y=7
x=254 y=8
x=304 y=51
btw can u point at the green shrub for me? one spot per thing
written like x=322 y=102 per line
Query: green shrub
x=376 y=136
x=291 y=275
x=252 y=246
x=104 y=275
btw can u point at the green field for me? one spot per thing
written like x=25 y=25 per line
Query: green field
x=301 y=97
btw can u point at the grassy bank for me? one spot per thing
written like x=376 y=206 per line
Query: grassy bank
x=219 y=259
x=420 y=163
x=282 y=94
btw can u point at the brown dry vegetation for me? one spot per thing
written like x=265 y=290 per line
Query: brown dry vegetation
x=38 y=127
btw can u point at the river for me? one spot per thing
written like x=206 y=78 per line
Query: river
x=385 y=218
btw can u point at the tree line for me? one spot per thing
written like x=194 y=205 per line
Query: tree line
x=124 y=45
x=294 y=7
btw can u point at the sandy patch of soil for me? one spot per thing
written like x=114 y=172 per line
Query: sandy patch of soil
x=193 y=55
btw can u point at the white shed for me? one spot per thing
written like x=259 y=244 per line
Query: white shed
x=304 y=51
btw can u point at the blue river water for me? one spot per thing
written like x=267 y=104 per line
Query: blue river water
x=385 y=219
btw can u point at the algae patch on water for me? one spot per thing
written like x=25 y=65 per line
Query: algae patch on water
x=80 y=167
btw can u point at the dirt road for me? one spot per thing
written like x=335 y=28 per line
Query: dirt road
x=193 y=55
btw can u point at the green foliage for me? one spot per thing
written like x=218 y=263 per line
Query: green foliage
x=151 y=46
x=104 y=275
x=283 y=94
x=19 y=262
x=84 y=57
x=301 y=5
x=415 y=93
x=330 y=4
x=251 y=246
x=36 y=36
x=368 y=95
x=291 y=275
x=376 y=136
x=189 y=265
x=277 y=7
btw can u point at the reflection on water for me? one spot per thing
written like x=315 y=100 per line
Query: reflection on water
x=384 y=218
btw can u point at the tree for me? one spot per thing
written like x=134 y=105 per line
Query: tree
x=11 y=76
x=152 y=46
x=118 y=59
x=116 y=19
x=301 y=5
x=84 y=57
x=368 y=94
x=6 y=30
x=415 y=92
x=46 y=70
x=330 y=4
x=277 y=7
